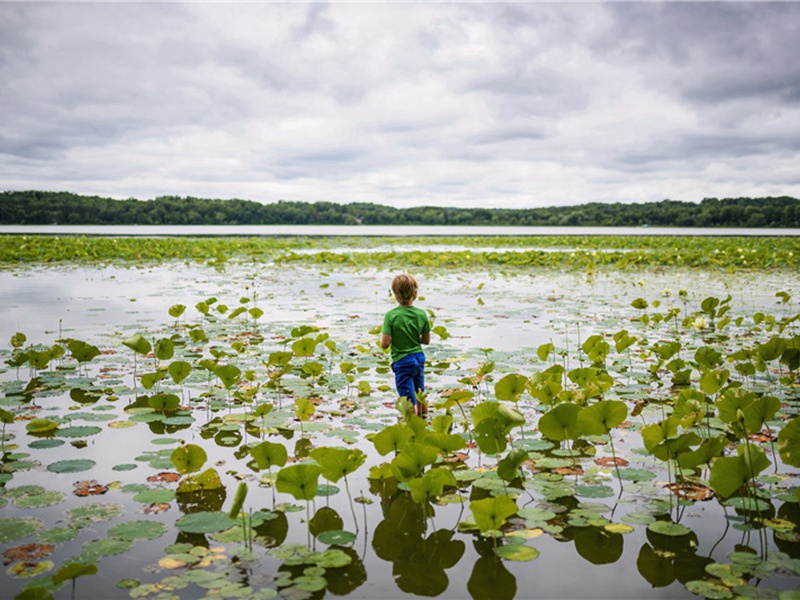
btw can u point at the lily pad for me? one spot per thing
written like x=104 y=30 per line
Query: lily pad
x=94 y=513
x=205 y=522
x=138 y=530
x=668 y=528
x=106 y=547
x=17 y=528
x=78 y=432
x=519 y=553
x=46 y=443
x=337 y=537
x=39 y=499
x=75 y=465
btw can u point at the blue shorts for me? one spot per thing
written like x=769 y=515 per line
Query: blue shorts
x=409 y=375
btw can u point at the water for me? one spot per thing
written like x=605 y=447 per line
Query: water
x=400 y=551
x=379 y=230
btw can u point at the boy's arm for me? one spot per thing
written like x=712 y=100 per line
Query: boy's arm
x=386 y=340
x=425 y=338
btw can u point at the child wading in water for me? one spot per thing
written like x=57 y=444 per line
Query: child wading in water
x=405 y=329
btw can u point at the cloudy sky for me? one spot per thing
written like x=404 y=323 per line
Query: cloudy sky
x=460 y=104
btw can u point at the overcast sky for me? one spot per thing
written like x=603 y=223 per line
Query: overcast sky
x=405 y=104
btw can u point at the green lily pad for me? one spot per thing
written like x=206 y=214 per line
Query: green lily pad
x=17 y=528
x=39 y=499
x=106 y=547
x=75 y=465
x=125 y=467
x=594 y=491
x=518 y=553
x=94 y=513
x=181 y=420
x=668 y=528
x=337 y=537
x=58 y=535
x=309 y=583
x=46 y=443
x=155 y=496
x=332 y=558
x=138 y=530
x=639 y=518
x=709 y=589
x=636 y=475
x=78 y=432
x=205 y=522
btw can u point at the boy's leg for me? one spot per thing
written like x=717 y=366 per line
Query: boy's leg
x=404 y=372
x=419 y=373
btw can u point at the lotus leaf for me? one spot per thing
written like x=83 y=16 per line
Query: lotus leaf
x=491 y=513
x=299 y=480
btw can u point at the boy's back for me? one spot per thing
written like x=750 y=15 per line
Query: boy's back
x=405 y=324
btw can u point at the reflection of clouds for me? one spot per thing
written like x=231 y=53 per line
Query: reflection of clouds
x=518 y=311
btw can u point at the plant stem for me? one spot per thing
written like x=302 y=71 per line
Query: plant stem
x=349 y=497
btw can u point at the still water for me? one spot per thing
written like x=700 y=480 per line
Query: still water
x=401 y=550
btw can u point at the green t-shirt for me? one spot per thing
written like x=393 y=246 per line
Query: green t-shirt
x=405 y=324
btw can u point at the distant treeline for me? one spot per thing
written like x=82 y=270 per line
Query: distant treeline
x=45 y=208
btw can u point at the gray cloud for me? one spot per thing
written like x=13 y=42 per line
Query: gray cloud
x=481 y=104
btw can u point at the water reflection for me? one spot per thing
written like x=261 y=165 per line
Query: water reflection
x=666 y=559
x=418 y=562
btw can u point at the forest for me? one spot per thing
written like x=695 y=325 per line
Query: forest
x=64 y=208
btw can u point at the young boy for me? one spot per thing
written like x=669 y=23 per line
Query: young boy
x=405 y=329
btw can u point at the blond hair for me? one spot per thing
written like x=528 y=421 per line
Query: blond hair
x=405 y=288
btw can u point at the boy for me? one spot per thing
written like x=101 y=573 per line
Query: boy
x=405 y=329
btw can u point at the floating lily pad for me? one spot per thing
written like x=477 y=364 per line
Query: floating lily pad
x=518 y=552
x=636 y=475
x=94 y=513
x=30 y=568
x=57 y=535
x=709 y=589
x=205 y=522
x=337 y=537
x=17 y=528
x=668 y=528
x=180 y=420
x=78 y=432
x=125 y=467
x=164 y=441
x=594 y=491
x=153 y=496
x=75 y=465
x=106 y=547
x=138 y=530
x=309 y=583
x=39 y=499
x=46 y=443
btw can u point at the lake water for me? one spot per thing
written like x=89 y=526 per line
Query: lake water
x=401 y=551
x=377 y=230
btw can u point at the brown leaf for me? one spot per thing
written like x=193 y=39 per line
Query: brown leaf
x=28 y=552
x=610 y=461
x=156 y=507
x=565 y=471
x=164 y=477
x=691 y=491
x=89 y=488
